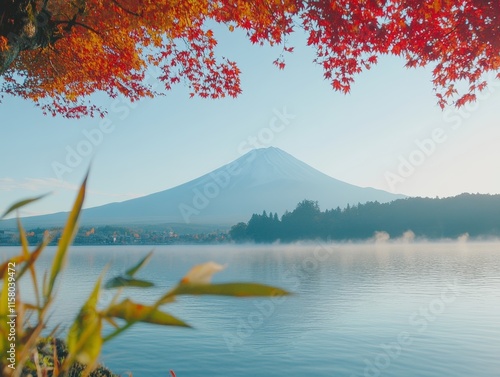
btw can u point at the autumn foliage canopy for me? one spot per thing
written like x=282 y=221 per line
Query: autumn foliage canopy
x=57 y=53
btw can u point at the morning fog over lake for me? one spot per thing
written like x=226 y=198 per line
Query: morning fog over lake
x=367 y=310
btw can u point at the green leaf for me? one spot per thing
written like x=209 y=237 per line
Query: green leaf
x=20 y=204
x=139 y=265
x=66 y=238
x=84 y=337
x=227 y=289
x=125 y=281
x=134 y=312
x=32 y=258
x=24 y=240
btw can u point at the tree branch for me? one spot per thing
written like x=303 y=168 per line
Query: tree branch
x=125 y=9
x=72 y=23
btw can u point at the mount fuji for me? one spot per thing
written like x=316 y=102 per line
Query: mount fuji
x=263 y=179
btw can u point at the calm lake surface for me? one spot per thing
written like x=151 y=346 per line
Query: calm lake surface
x=415 y=310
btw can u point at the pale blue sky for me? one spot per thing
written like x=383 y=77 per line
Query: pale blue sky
x=359 y=138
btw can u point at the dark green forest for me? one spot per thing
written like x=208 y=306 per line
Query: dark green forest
x=475 y=214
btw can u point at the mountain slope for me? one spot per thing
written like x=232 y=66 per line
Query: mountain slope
x=263 y=179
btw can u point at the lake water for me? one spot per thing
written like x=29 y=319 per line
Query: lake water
x=416 y=310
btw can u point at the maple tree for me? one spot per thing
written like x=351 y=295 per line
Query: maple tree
x=58 y=53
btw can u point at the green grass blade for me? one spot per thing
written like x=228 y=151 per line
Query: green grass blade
x=133 y=312
x=84 y=337
x=30 y=264
x=32 y=258
x=125 y=281
x=20 y=204
x=227 y=289
x=24 y=240
x=131 y=272
x=66 y=238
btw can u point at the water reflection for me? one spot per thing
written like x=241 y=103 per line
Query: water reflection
x=351 y=307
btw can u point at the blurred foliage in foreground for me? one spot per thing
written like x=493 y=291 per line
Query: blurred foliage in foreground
x=22 y=323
